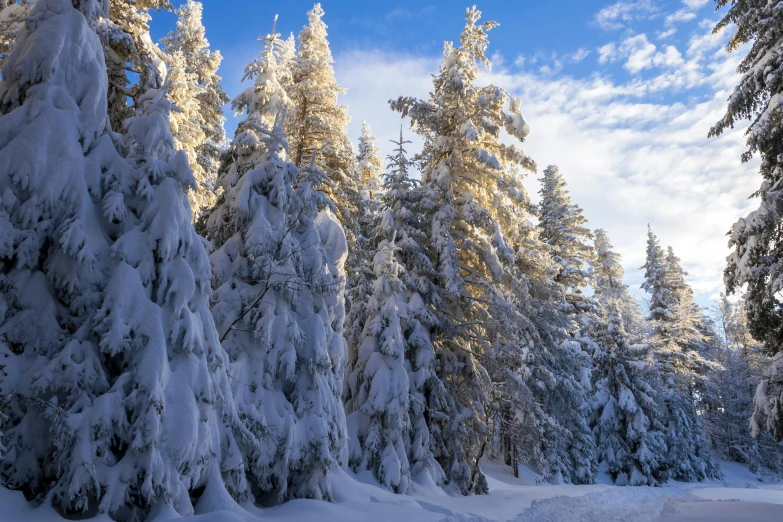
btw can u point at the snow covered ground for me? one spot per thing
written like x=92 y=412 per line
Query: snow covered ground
x=740 y=496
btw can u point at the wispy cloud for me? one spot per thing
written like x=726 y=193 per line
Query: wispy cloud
x=619 y=14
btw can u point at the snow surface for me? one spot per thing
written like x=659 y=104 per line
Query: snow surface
x=740 y=496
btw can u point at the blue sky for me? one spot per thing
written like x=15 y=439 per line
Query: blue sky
x=620 y=95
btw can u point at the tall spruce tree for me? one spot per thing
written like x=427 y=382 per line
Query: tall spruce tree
x=561 y=225
x=195 y=88
x=276 y=304
x=485 y=340
x=677 y=339
x=378 y=401
x=133 y=62
x=403 y=206
x=117 y=365
x=626 y=418
x=757 y=257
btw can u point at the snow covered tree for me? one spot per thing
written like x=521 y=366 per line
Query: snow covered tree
x=320 y=125
x=471 y=185
x=53 y=93
x=757 y=259
x=626 y=416
x=378 y=405
x=12 y=15
x=261 y=103
x=402 y=206
x=561 y=227
x=730 y=390
x=677 y=339
x=195 y=89
x=631 y=444
x=116 y=362
x=274 y=292
x=360 y=265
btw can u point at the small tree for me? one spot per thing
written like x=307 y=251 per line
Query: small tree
x=274 y=293
x=378 y=405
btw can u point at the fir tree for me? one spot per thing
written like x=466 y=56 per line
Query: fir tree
x=755 y=239
x=470 y=184
x=128 y=48
x=561 y=224
x=272 y=304
x=402 y=205
x=195 y=89
x=626 y=416
x=677 y=337
x=378 y=404
x=360 y=265
x=117 y=365
x=628 y=433
x=52 y=245
x=609 y=287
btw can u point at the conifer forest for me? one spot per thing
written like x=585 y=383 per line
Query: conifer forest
x=220 y=305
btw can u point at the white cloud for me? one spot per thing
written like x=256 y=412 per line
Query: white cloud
x=619 y=14
x=579 y=55
x=639 y=51
x=694 y=4
x=608 y=53
x=663 y=35
x=682 y=15
x=629 y=158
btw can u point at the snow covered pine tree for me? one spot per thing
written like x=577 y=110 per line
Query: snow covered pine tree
x=378 y=403
x=626 y=414
x=562 y=228
x=116 y=359
x=195 y=89
x=756 y=260
x=676 y=337
x=278 y=296
x=487 y=333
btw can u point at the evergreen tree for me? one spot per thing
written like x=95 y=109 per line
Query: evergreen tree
x=561 y=227
x=320 y=125
x=370 y=171
x=369 y=165
x=677 y=338
x=195 y=89
x=272 y=304
x=628 y=434
x=378 y=403
x=756 y=258
x=731 y=389
x=471 y=184
x=626 y=410
x=117 y=365
x=403 y=204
